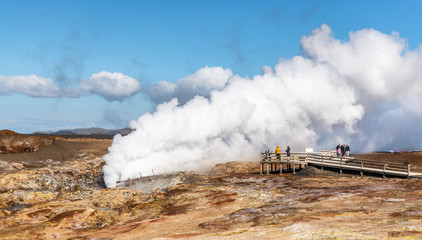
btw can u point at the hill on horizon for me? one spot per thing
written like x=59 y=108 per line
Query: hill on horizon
x=7 y=132
x=94 y=132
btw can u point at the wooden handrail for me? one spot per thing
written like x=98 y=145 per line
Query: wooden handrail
x=327 y=160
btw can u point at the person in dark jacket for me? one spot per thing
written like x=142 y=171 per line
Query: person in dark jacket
x=347 y=149
x=342 y=148
x=288 y=151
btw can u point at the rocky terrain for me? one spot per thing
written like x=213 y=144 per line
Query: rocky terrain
x=57 y=192
x=11 y=142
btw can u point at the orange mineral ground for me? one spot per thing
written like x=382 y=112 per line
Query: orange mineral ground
x=57 y=192
x=7 y=132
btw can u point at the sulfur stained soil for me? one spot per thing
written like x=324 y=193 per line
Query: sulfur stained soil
x=63 y=198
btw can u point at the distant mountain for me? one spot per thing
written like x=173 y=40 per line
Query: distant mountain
x=86 y=132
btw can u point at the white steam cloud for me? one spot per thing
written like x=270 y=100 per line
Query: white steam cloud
x=111 y=86
x=357 y=91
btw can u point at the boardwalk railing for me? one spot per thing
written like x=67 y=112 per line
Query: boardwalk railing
x=329 y=159
x=283 y=160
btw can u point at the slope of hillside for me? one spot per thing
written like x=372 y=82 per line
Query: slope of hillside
x=12 y=142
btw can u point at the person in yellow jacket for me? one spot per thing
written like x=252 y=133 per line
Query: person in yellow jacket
x=277 y=151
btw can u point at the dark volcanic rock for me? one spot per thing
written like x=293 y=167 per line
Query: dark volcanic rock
x=313 y=171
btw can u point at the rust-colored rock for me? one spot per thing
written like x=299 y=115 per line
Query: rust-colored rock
x=235 y=167
x=67 y=200
x=17 y=143
x=7 y=132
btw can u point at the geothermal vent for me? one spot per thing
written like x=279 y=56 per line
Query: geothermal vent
x=151 y=183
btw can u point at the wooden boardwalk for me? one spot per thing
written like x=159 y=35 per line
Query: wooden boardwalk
x=270 y=162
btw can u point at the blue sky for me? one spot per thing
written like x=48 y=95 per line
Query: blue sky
x=153 y=41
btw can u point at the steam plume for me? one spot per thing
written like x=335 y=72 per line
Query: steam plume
x=338 y=92
x=201 y=83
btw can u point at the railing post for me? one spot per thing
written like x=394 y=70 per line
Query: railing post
x=383 y=173
x=268 y=169
x=361 y=168
x=281 y=168
x=288 y=164
x=307 y=160
x=322 y=163
x=262 y=168
x=341 y=166
x=408 y=170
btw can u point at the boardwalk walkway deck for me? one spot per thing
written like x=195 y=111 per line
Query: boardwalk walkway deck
x=270 y=162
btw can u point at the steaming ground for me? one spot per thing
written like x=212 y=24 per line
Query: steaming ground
x=359 y=91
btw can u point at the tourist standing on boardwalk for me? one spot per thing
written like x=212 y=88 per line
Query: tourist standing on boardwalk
x=347 y=150
x=338 y=150
x=278 y=151
x=288 y=151
x=342 y=148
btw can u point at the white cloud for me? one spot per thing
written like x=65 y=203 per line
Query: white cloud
x=201 y=83
x=111 y=86
x=33 y=86
x=162 y=91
